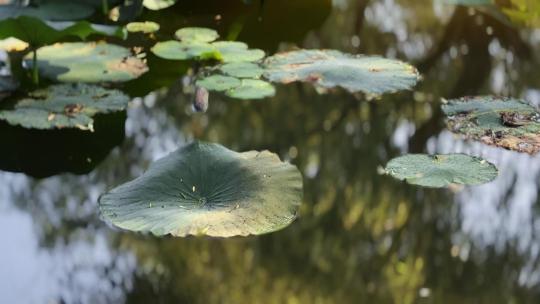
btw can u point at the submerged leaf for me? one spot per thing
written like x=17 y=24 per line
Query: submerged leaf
x=196 y=34
x=88 y=62
x=503 y=122
x=328 y=68
x=438 y=171
x=144 y=27
x=207 y=189
x=64 y=106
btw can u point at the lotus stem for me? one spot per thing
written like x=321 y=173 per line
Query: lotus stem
x=35 y=70
x=105 y=6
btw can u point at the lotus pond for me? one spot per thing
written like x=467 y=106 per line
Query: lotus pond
x=283 y=151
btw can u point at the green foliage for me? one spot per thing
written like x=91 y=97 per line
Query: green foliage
x=207 y=189
x=328 y=69
x=438 y=171
x=37 y=32
x=64 y=106
x=89 y=62
x=503 y=122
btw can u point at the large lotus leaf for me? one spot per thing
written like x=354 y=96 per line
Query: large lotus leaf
x=176 y=50
x=503 y=122
x=89 y=62
x=158 y=4
x=49 y=10
x=328 y=68
x=219 y=83
x=439 y=171
x=252 y=89
x=64 y=106
x=196 y=34
x=242 y=69
x=143 y=27
x=37 y=32
x=208 y=189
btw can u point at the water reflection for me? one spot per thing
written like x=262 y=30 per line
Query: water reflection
x=361 y=237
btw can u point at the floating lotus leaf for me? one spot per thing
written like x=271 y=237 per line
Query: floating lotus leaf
x=242 y=70
x=208 y=189
x=176 y=50
x=158 y=4
x=144 y=27
x=225 y=46
x=89 y=62
x=437 y=171
x=49 y=10
x=238 y=55
x=64 y=106
x=328 y=68
x=252 y=89
x=219 y=83
x=198 y=34
x=503 y=122
x=37 y=32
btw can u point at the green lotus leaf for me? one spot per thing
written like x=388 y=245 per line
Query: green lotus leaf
x=328 y=69
x=158 y=4
x=226 y=46
x=242 y=70
x=49 y=10
x=219 y=83
x=37 y=32
x=207 y=189
x=144 y=27
x=238 y=55
x=88 y=62
x=252 y=89
x=176 y=50
x=64 y=106
x=196 y=34
x=498 y=121
x=438 y=171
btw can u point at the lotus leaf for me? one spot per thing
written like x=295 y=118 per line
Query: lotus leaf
x=196 y=34
x=144 y=27
x=328 y=68
x=64 y=106
x=252 y=89
x=503 y=122
x=158 y=4
x=176 y=50
x=207 y=189
x=242 y=70
x=438 y=171
x=89 y=62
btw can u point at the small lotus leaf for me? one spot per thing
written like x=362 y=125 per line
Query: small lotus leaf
x=198 y=34
x=239 y=55
x=219 y=83
x=144 y=27
x=252 y=89
x=64 y=106
x=158 y=4
x=207 y=189
x=438 y=171
x=328 y=68
x=242 y=70
x=176 y=50
x=225 y=46
x=88 y=62
x=503 y=122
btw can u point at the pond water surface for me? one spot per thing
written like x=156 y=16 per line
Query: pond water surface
x=361 y=237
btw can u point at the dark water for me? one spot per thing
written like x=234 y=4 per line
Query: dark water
x=360 y=238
